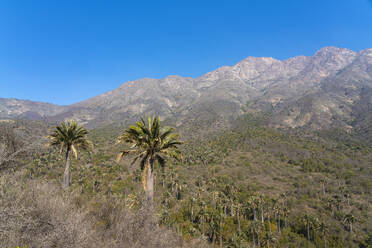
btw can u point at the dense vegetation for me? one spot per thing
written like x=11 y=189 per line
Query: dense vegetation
x=249 y=186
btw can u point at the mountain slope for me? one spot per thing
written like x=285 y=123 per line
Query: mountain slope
x=15 y=108
x=329 y=89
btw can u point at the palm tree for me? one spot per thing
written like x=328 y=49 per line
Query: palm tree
x=238 y=205
x=221 y=218
x=212 y=220
x=261 y=203
x=235 y=240
x=254 y=227
x=259 y=229
x=286 y=213
x=323 y=228
x=350 y=219
x=307 y=219
x=149 y=143
x=69 y=136
x=268 y=213
x=269 y=239
x=253 y=205
x=277 y=210
x=203 y=214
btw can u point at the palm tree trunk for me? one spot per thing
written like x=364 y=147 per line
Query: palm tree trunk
x=150 y=184
x=279 y=223
x=220 y=240
x=239 y=228
x=221 y=233
x=285 y=221
x=192 y=214
x=66 y=175
x=254 y=241
x=351 y=227
x=268 y=218
x=262 y=215
x=325 y=241
x=308 y=231
x=172 y=184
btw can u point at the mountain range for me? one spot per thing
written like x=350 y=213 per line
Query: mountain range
x=331 y=89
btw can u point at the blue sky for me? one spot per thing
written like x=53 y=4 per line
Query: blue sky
x=67 y=51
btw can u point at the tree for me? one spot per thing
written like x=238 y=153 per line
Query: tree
x=221 y=219
x=203 y=215
x=149 y=143
x=261 y=204
x=269 y=239
x=323 y=228
x=349 y=219
x=307 y=219
x=277 y=210
x=253 y=205
x=257 y=228
x=268 y=213
x=69 y=136
x=213 y=224
x=286 y=213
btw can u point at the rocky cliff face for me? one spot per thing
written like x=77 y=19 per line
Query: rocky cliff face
x=330 y=89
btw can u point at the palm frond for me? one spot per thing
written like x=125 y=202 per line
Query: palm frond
x=160 y=159
x=74 y=151
x=125 y=153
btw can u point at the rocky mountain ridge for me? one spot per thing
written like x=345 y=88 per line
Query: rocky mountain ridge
x=330 y=89
x=16 y=108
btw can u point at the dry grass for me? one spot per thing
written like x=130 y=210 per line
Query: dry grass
x=40 y=214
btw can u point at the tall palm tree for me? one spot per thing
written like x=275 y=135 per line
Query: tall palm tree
x=69 y=136
x=277 y=211
x=323 y=228
x=269 y=239
x=253 y=230
x=203 y=214
x=213 y=224
x=261 y=203
x=253 y=205
x=149 y=143
x=268 y=206
x=286 y=213
x=259 y=229
x=350 y=219
x=307 y=219
x=221 y=218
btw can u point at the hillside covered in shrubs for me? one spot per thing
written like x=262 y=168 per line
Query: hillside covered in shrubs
x=248 y=186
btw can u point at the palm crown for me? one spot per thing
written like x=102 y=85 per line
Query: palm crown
x=69 y=135
x=149 y=143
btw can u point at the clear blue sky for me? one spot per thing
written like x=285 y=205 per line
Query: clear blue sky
x=67 y=51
